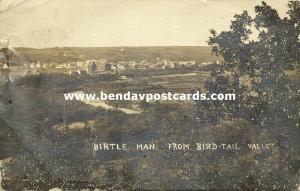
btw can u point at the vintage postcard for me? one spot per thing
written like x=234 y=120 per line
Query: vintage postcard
x=149 y=95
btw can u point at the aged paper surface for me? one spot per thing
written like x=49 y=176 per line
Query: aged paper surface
x=149 y=95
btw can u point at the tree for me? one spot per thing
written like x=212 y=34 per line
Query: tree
x=256 y=68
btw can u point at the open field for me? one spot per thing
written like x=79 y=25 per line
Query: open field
x=44 y=116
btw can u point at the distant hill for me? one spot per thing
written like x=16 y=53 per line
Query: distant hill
x=69 y=54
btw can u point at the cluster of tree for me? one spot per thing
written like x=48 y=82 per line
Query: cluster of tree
x=255 y=69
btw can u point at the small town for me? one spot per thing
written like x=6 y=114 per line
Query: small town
x=92 y=66
x=14 y=65
x=99 y=66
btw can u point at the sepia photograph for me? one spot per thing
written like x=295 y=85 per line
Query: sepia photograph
x=149 y=95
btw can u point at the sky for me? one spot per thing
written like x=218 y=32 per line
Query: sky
x=103 y=23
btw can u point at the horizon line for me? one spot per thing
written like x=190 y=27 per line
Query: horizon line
x=112 y=46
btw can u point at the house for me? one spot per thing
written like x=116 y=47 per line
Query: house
x=176 y=65
x=166 y=62
x=32 y=65
x=52 y=64
x=38 y=65
x=130 y=65
x=90 y=62
x=159 y=63
x=127 y=65
x=79 y=64
x=101 y=64
x=171 y=65
x=26 y=64
x=143 y=62
x=205 y=63
x=120 y=66
x=5 y=66
x=114 y=67
x=187 y=63
x=72 y=64
x=45 y=66
x=66 y=65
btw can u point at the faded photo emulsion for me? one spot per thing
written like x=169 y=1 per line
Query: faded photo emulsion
x=149 y=95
